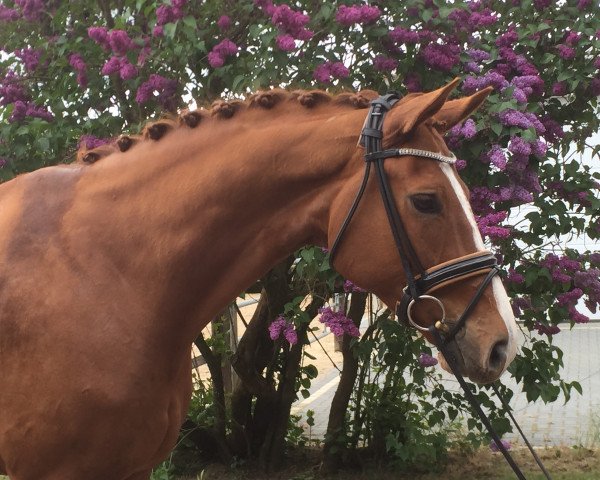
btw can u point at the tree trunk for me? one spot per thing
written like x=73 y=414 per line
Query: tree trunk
x=273 y=448
x=254 y=353
x=213 y=361
x=335 y=438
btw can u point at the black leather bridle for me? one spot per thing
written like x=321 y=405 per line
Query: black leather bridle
x=421 y=283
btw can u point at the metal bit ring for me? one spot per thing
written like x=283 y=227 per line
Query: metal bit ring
x=425 y=297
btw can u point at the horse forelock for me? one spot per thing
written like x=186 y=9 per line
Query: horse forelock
x=222 y=109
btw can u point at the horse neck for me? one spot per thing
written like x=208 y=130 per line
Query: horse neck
x=206 y=212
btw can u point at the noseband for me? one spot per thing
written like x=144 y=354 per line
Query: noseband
x=420 y=282
x=423 y=283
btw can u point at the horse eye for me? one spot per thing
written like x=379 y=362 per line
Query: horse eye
x=426 y=203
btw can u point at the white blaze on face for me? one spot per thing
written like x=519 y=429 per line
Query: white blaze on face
x=500 y=296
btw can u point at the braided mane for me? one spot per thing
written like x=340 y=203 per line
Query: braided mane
x=266 y=100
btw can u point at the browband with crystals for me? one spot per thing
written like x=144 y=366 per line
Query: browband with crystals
x=415 y=152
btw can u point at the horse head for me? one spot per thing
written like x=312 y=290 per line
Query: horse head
x=420 y=248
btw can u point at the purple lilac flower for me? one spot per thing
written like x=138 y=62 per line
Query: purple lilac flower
x=546 y=329
x=553 y=131
x=90 y=141
x=559 y=89
x=158 y=31
x=165 y=87
x=497 y=157
x=514 y=277
x=327 y=71
x=100 y=36
x=519 y=146
x=529 y=84
x=281 y=326
x=539 y=148
x=112 y=66
x=583 y=4
x=576 y=316
x=350 y=287
x=596 y=62
x=412 y=82
x=507 y=39
x=21 y=110
x=520 y=304
x=542 y=4
x=485 y=18
x=338 y=323
x=594 y=87
x=126 y=70
x=525 y=120
x=404 y=35
x=460 y=164
x=478 y=55
x=288 y=20
x=469 y=129
x=33 y=10
x=590 y=282
x=286 y=42
x=30 y=58
x=8 y=14
x=224 y=22
x=426 y=360
x=76 y=61
x=170 y=13
x=12 y=89
x=164 y=15
x=357 y=14
x=220 y=52
x=494 y=79
x=384 y=64
x=488 y=225
x=569 y=298
x=495 y=448
x=441 y=57
x=572 y=38
x=215 y=60
x=119 y=42
x=472 y=67
x=144 y=54
x=565 y=52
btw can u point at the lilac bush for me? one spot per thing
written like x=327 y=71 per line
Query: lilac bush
x=63 y=63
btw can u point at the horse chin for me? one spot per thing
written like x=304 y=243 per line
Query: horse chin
x=473 y=372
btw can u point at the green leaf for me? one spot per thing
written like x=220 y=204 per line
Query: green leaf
x=169 y=30
x=43 y=143
x=190 y=22
x=496 y=128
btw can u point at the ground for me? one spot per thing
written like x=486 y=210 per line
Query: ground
x=574 y=463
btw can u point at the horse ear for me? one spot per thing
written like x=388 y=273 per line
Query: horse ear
x=414 y=110
x=455 y=111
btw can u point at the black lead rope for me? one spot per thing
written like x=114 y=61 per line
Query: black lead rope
x=442 y=345
x=453 y=364
x=509 y=411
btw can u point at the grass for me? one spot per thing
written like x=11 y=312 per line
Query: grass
x=563 y=463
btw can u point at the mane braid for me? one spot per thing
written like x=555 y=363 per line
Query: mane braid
x=265 y=99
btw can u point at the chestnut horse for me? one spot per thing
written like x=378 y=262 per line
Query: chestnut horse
x=109 y=271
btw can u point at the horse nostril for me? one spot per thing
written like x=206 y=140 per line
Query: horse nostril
x=498 y=355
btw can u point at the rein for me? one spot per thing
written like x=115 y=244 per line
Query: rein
x=421 y=282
